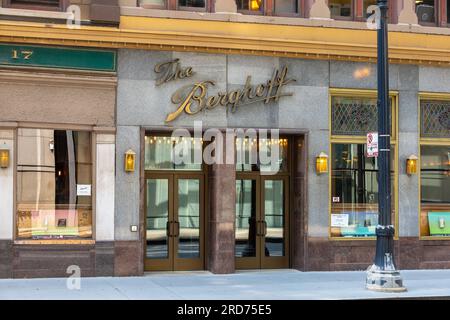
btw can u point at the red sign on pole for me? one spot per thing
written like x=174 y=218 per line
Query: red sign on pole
x=372 y=144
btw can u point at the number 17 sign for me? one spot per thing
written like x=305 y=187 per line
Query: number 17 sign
x=372 y=144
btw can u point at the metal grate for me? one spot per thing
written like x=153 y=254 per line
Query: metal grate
x=435 y=117
x=353 y=116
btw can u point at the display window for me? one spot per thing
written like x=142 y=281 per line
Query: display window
x=353 y=174
x=434 y=168
x=54 y=184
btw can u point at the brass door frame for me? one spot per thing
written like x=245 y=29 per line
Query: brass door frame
x=189 y=263
x=260 y=261
x=283 y=261
x=159 y=264
x=173 y=262
x=251 y=262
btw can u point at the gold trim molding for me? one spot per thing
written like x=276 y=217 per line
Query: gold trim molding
x=308 y=42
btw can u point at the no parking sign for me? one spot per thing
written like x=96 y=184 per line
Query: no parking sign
x=372 y=144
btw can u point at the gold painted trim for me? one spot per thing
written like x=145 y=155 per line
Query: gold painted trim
x=226 y=37
x=358 y=139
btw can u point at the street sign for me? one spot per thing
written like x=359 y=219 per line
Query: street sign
x=372 y=144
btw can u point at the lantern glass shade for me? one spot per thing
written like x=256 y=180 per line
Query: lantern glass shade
x=322 y=163
x=130 y=160
x=411 y=165
x=4 y=158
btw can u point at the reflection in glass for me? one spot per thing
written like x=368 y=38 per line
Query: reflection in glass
x=435 y=194
x=425 y=10
x=157 y=218
x=354 y=187
x=159 y=3
x=251 y=5
x=274 y=217
x=245 y=218
x=286 y=6
x=192 y=3
x=340 y=8
x=54 y=184
x=189 y=218
x=367 y=4
x=160 y=153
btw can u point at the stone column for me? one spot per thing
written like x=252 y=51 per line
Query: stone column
x=104 y=204
x=6 y=206
x=129 y=253
x=222 y=200
x=407 y=13
x=319 y=10
x=225 y=6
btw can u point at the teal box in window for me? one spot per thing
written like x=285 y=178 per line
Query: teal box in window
x=439 y=223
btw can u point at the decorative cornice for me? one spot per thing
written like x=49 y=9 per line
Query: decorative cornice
x=52 y=79
x=237 y=38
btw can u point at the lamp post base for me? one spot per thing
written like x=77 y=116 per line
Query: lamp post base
x=384 y=280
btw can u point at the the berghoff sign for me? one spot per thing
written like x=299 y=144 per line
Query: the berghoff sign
x=193 y=98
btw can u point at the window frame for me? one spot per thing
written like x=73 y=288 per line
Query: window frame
x=92 y=239
x=335 y=139
x=440 y=15
x=428 y=142
x=63 y=4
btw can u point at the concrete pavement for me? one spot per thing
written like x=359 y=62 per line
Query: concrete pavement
x=267 y=284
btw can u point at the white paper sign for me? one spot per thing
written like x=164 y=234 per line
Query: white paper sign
x=84 y=190
x=372 y=144
x=339 y=220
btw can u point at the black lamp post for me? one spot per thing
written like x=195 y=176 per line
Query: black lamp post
x=382 y=275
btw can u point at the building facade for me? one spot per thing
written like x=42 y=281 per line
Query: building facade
x=87 y=116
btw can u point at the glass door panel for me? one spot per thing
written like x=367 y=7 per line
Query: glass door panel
x=246 y=218
x=157 y=218
x=189 y=212
x=275 y=233
x=274 y=218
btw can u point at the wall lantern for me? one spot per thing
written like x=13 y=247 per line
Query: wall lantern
x=4 y=158
x=322 y=163
x=130 y=160
x=411 y=165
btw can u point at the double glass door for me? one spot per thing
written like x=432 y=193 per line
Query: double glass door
x=174 y=221
x=262 y=224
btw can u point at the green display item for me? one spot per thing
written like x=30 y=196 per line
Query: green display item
x=439 y=223
x=358 y=231
x=58 y=57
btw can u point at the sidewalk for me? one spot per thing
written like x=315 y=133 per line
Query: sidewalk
x=267 y=284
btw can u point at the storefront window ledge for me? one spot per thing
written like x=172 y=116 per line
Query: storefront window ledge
x=433 y=238
x=54 y=242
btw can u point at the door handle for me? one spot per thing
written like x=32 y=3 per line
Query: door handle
x=168 y=228
x=258 y=228
x=177 y=228
x=265 y=228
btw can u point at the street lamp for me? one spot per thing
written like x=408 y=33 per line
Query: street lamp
x=382 y=275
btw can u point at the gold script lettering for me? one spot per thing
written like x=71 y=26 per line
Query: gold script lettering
x=172 y=70
x=197 y=94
